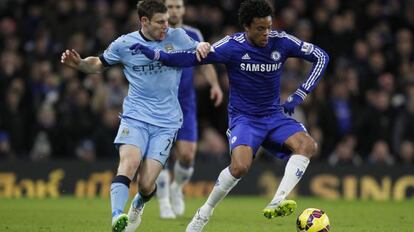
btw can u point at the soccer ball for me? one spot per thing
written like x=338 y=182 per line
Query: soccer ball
x=313 y=220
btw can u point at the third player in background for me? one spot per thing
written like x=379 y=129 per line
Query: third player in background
x=169 y=193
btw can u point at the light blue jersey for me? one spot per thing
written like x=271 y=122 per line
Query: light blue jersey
x=153 y=87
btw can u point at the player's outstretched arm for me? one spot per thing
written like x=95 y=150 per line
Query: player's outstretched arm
x=175 y=59
x=320 y=60
x=89 y=65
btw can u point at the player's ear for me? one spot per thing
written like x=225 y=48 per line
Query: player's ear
x=246 y=27
x=144 y=20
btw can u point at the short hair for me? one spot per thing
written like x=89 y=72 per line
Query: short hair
x=184 y=2
x=147 y=8
x=250 y=9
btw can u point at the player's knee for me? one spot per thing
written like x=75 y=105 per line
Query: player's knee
x=239 y=170
x=186 y=156
x=145 y=187
x=315 y=148
x=128 y=165
x=308 y=148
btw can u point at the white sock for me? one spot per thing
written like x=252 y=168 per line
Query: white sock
x=225 y=183
x=295 y=168
x=163 y=186
x=182 y=174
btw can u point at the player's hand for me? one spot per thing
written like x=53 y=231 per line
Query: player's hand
x=291 y=102
x=70 y=58
x=203 y=48
x=148 y=52
x=216 y=94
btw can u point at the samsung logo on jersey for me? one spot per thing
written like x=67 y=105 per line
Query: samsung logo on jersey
x=260 y=67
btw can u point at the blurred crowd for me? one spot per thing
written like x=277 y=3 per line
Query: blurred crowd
x=361 y=112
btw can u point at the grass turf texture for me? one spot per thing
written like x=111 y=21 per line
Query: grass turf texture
x=233 y=214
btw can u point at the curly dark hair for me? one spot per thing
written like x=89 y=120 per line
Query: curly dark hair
x=250 y=9
x=147 y=8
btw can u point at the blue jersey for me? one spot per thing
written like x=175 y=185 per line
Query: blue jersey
x=153 y=87
x=186 y=90
x=254 y=72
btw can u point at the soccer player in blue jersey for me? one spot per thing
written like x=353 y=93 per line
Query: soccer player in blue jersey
x=151 y=112
x=254 y=60
x=170 y=197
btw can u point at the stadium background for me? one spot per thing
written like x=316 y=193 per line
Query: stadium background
x=361 y=113
x=57 y=125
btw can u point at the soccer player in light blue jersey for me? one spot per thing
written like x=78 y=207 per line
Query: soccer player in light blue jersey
x=151 y=113
x=170 y=196
x=254 y=60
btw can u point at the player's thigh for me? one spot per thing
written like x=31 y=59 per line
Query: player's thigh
x=130 y=157
x=131 y=142
x=160 y=143
x=133 y=132
x=185 y=146
x=148 y=174
x=129 y=154
x=302 y=143
x=244 y=131
x=188 y=131
x=278 y=139
x=241 y=160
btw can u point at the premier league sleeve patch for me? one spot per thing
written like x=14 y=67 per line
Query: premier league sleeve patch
x=307 y=48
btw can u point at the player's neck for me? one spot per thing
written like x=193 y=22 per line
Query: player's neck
x=145 y=35
x=177 y=25
x=250 y=41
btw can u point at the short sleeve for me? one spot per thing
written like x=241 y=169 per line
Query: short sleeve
x=112 y=54
x=184 y=41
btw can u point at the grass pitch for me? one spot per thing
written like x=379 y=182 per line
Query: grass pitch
x=234 y=214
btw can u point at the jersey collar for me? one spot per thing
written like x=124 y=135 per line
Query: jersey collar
x=143 y=36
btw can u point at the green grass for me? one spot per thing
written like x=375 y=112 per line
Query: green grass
x=233 y=214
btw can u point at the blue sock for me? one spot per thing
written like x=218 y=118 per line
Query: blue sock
x=139 y=200
x=119 y=194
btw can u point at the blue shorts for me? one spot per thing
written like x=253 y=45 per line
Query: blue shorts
x=270 y=132
x=188 y=131
x=154 y=142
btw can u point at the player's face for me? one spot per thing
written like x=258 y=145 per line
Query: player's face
x=156 y=27
x=176 y=11
x=258 y=31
